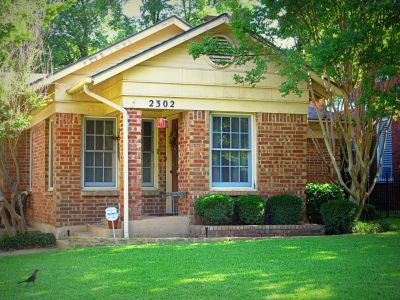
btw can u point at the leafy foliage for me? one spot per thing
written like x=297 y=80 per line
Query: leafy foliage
x=371 y=227
x=338 y=216
x=251 y=209
x=318 y=194
x=83 y=27
x=28 y=240
x=214 y=209
x=284 y=209
x=369 y=213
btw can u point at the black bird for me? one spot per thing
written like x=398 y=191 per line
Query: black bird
x=32 y=278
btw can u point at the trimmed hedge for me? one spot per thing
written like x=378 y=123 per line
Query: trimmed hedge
x=284 y=209
x=318 y=194
x=338 y=216
x=28 y=240
x=369 y=213
x=371 y=227
x=214 y=209
x=250 y=209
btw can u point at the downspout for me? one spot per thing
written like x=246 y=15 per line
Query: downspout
x=125 y=128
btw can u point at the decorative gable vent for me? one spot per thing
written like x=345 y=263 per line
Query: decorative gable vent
x=222 y=57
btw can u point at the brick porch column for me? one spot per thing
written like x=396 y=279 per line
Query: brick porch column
x=194 y=158
x=134 y=164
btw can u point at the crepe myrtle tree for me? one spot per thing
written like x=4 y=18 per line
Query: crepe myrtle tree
x=22 y=23
x=347 y=54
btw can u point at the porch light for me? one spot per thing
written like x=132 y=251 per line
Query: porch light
x=162 y=123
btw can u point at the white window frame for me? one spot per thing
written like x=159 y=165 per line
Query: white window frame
x=99 y=186
x=51 y=156
x=154 y=166
x=253 y=152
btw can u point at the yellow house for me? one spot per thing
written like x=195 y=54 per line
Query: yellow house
x=142 y=126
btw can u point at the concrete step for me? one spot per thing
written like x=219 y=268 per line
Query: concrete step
x=102 y=231
x=160 y=227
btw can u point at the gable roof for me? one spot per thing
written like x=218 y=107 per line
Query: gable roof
x=85 y=61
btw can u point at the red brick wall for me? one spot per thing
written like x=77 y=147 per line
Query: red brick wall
x=396 y=148
x=282 y=153
x=317 y=170
x=194 y=158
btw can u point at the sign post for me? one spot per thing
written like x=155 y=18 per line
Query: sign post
x=112 y=215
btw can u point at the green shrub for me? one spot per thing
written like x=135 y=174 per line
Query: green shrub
x=214 y=209
x=338 y=216
x=318 y=194
x=284 y=209
x=250 y=209
x=371 y=227
x=28 y=240
x=369 y=213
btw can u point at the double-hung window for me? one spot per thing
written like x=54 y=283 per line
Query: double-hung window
x=148 y=153
x=99 y=152
x=231 y=151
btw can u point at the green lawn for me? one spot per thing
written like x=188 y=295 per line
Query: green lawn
x=329 y=267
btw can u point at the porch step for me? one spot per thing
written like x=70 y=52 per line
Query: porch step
x=101 y=231
x=160 y=227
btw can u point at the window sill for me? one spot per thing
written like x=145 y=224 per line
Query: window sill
x=97 y=192
x=150 y=191
x=233 y=189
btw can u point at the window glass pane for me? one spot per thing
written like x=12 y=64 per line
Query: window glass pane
x=244 y=141
x=244 y=158
x=98 y=159
x=107 y=174
x=146 y=175
x=235 y=124
x=146 y=160
x=226 y=139
x=226 y=124
x=216 y=124
x=109 y=142
x=216 y=174
x=244 y=176
x=108 y=159
x=225 y=174
x=146 y=144
x=234 y=158
x=89 y=142
x=89 y=159
x=216 y=159
x=99 y=127
x=98 y=174
x=235 y=141
x=225 y=158
x=244 y=125
x=235 y=174
x=147 y=128
x=216 y=140
x=99 y=142
x=109 y=127
x=90 y=126
x=89 y=175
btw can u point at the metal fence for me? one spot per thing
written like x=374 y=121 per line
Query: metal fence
x=386 y=197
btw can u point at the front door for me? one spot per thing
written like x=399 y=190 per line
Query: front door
x=172 y=167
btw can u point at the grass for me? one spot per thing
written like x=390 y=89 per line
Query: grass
x=328 y=267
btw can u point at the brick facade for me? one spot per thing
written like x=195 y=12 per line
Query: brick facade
x=317 y=169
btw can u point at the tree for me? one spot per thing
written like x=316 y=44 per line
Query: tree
x=154 y=11
x=350 y=48
x=86 y=26
x=22 y=23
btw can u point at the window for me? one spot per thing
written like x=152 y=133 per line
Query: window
x=231 y=151
x=99 y=153
x=387 y=164
x=148 y=153
x=51 y=159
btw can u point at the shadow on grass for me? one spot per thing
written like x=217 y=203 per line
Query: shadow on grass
x=343 y=267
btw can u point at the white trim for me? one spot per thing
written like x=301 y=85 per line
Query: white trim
x=115 y=160
x=51 y=156
x=30 y=158
x=253 y=148
x=114 y=48
x=233 y=189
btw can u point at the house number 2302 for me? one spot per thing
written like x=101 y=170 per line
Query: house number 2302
x=161 y=103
